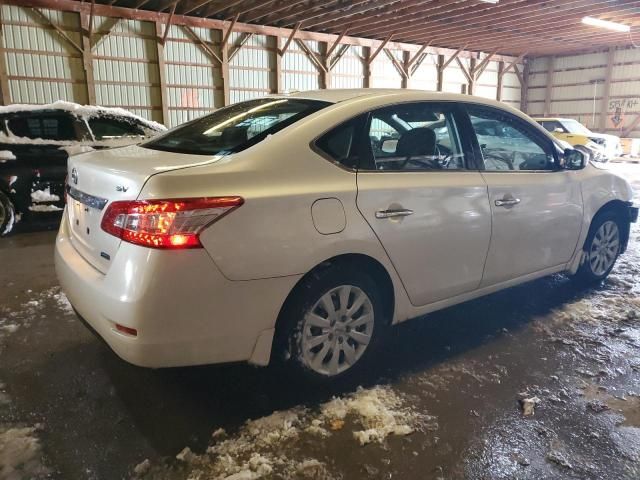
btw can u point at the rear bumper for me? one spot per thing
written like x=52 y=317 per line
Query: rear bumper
x=184 y=311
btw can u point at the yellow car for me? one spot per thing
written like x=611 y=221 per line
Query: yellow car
x=600 y=146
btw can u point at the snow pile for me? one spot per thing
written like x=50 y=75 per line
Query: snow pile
x=378 y=410
x=44 y=208
x=6 y=155
x=40 y=196
x=20 y=454
x=273 y=446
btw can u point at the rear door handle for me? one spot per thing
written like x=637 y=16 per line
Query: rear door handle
x=507 y=202
x=404 y=212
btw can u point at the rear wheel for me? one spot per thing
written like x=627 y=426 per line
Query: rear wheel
x=7 y=214
x=602 y=248
x=334 y=323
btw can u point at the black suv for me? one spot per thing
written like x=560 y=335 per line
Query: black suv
x=35 y=143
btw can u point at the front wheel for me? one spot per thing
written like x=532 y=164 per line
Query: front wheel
x=7 y=214
x=334 y=323
x=602 y=248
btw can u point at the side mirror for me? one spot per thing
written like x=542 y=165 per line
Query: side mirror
x=574 y=159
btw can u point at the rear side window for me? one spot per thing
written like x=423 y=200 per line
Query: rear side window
x=44 y=126
x=552 y=126
x=237 y=127
x=105 y=128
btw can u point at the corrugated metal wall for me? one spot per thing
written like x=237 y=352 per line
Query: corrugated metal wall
x=578 y=88
x=125 y=65
x=43 y=67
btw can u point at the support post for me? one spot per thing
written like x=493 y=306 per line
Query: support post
x=277 y=86
x=549 y=87
x=164 y=101
x=500 y=79
x=224 y=65
x=406 y=58
x=524 y=87
x=325 y=73
x=606 y=94
x=472 y=76
x=440 y=68
x=87 y=58
x=366 y=65
x=5 y=97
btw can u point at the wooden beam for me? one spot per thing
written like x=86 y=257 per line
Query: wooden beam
x=415 y=57
x=205 y=46
x=453 y=57
x=379 y=49
x=311 y=55
x=106 y=34
x=336 y=58
x=227 y=33
x=472 y=81
x=226 y=77
x=5 y=93
x=513 y=63
x=195 y=6
x=366 y=66
x=606 y=94
x=549 y=87
x=87 y=58
x=245 y=38
x=399 y=67
x=440 y=70
x=277 y=87
x=524 y=88
x=416 y=65
x=162 y=75
x=631 y=127
x=289 y=38
x=337 y=42
x=406 y=58
x=464 y=70
x=90 y=27
x=168 y=24
x=45 y=20
x=325 y=73
x=500 y=79
x=477 y=71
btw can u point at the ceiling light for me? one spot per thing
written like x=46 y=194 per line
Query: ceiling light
x=490 y=1
x=596 y=22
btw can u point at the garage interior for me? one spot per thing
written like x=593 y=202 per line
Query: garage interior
x=70 y=409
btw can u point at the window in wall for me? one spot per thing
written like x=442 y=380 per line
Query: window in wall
x=416 y=136
x=508 y=144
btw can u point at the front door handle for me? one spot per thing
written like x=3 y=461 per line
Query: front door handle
x=507 y=202
x=404 y=212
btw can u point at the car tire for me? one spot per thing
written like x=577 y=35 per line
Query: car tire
x=324 y=346
x=7 y=214
x=601 y=248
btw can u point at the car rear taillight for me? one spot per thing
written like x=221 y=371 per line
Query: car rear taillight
x=174 y=223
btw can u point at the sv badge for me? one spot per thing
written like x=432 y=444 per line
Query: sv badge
x=121 y=188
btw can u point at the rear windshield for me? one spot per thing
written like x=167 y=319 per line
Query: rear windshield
x=235 y=128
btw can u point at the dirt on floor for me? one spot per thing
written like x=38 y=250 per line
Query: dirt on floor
x=541 y=381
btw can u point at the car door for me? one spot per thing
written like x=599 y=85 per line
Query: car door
x=536 y=207
x=429 y=211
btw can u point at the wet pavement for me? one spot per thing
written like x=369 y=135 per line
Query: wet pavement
x=444 y=400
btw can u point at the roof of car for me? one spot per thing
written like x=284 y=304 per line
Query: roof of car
x=550 y=119
x=343 y=94
x=85 y=111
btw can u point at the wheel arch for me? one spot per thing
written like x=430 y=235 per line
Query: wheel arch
x=354 y=260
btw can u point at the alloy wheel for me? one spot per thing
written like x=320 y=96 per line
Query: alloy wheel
x=337 y=330
x=604 y=248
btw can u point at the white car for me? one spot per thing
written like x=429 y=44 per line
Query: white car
x=301 y=227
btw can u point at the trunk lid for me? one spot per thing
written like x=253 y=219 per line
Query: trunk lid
x=98 y=178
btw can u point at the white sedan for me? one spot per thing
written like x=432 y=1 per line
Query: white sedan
x=302 y=227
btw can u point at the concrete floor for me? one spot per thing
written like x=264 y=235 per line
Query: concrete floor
x=455 y=377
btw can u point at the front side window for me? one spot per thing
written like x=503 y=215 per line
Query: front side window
x=414 y=136
x=105 y=128
x=507 y=144
x=44 y=126
x=235 y=128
